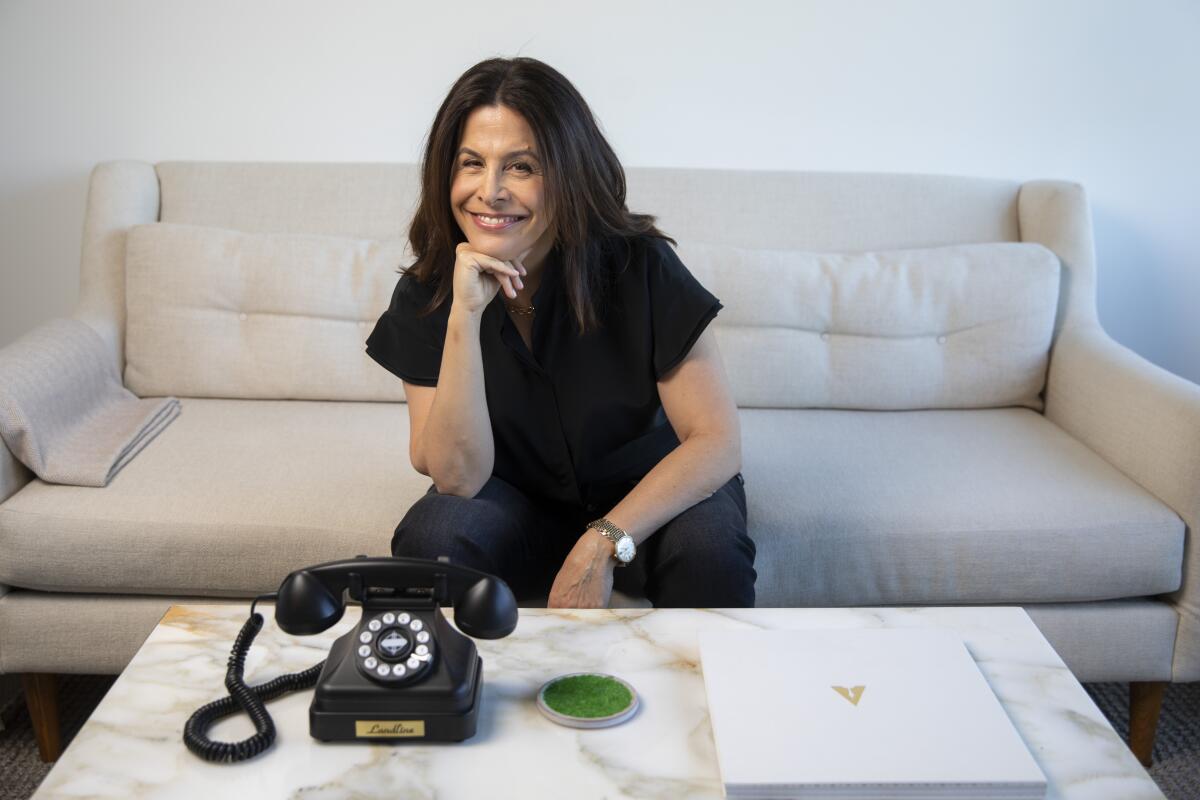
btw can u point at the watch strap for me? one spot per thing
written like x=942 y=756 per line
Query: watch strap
x=611 y=532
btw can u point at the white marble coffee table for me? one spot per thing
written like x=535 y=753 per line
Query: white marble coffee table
x=132 y=746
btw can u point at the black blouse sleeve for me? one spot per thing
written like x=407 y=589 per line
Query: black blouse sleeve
x=405 y=345
x=680 y=307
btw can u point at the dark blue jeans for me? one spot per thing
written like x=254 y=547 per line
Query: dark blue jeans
x=703 y=558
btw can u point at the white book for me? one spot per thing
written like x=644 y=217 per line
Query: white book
x=872 y=713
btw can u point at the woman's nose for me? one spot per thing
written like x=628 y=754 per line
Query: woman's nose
x=493 y=190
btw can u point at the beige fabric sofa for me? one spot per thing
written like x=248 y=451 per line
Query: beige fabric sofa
x=891 y=455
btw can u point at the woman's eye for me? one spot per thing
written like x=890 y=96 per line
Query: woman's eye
x=520 y=165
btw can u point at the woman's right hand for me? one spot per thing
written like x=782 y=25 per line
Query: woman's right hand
x=478 y=276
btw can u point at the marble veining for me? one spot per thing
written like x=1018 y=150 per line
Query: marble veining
x=132 y=745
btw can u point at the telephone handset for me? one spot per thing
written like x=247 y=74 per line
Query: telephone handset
x=403 y=673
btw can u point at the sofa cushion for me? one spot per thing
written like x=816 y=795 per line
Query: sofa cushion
x=219 y=313
x=847 y=507
x=958 y=326
x=227 y=500
x=944 y=508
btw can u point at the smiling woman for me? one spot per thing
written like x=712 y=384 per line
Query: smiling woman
x=497 y=191
x=591 y=388
x=514 y=138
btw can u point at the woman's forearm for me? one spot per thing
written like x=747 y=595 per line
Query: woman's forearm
x=456 y=443
x=691 y=472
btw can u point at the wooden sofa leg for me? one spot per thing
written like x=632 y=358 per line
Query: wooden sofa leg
x=1145 y=701
x=41 y=698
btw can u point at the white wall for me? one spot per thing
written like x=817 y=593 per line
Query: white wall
x=1103 y=93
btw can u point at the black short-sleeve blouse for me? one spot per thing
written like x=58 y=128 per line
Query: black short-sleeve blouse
x=578 y=421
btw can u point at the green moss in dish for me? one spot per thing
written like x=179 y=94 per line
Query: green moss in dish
x=587 y=696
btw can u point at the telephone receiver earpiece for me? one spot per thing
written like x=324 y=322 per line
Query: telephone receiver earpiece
x=305 y=605
x=310 y=600
x=486 y=610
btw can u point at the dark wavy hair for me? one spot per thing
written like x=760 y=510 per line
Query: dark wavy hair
x=584 y=183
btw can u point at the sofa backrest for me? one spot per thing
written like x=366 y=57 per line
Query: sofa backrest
x=957 y=326
x=214 y=312
x=772 y=211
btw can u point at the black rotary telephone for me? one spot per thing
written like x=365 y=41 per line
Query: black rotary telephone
x=403 y=674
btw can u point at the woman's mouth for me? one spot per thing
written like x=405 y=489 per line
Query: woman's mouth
x=495 y=223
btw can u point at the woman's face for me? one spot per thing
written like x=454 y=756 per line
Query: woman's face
x=498 y=173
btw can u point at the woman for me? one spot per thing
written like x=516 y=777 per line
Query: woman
x=582 y=419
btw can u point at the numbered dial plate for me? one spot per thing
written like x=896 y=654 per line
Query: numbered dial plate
x=393 y=646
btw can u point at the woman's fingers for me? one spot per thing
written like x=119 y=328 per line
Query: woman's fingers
x=520 y=261
x=508 y=275
x=504 y=272
x=505 y=281
x=495 y=264
x=519 y=268
x=516 y=277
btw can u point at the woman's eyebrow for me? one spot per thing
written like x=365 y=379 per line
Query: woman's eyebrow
x=469 y=151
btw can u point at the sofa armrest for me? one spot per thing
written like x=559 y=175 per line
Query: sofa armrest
x=13 y=474
x=1145 y=421
x=120 y=194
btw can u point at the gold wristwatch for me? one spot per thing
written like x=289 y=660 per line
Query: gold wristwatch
x=626 y=549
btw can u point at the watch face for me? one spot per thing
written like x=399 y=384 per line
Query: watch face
x=625 y=549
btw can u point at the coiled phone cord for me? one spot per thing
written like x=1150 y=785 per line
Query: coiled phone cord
x=245 y=698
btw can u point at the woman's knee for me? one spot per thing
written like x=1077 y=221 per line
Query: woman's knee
x=701 y=549
x=422 y=532
x=703 y=558
x=469 y=530
x=498 y=531
x=433 y=523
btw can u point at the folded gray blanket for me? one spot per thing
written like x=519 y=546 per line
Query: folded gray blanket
x=63 y=410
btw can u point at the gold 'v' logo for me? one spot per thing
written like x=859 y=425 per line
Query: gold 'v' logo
x=852 y=694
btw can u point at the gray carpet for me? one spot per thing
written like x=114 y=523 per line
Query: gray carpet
x=1176 y=766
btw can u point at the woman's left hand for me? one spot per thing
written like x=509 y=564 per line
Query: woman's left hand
x=586 y=577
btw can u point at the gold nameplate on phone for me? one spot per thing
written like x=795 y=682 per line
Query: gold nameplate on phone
x=389 y=727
